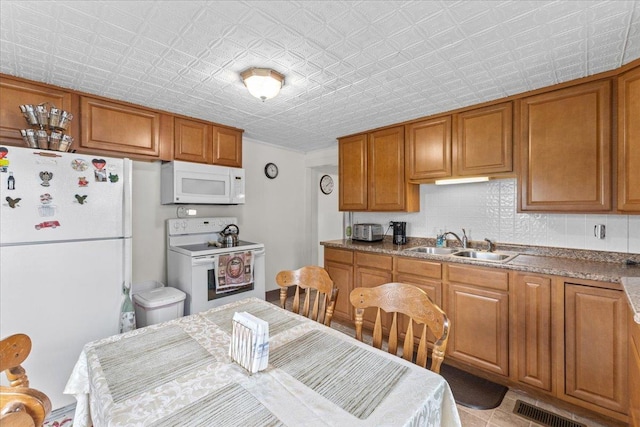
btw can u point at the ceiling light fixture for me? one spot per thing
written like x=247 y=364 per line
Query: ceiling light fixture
x=462 y=180
x=263 y=83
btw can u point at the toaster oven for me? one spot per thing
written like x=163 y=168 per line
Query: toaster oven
x=367 y=232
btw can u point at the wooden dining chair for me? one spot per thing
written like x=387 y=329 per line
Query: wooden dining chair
x=313 y=280
x=20 y=405
x=410 y=301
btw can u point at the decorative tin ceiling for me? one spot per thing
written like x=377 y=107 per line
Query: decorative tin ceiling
x=349 y=65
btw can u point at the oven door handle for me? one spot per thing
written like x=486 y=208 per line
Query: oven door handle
x=203 y=261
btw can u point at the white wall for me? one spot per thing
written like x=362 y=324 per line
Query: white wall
x=291 y=216
x=329 y=219
x=325 y=221
x=275 y=213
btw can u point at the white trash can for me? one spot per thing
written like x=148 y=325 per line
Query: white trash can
x=156 y=303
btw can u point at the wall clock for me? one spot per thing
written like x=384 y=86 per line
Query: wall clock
x=326 y=184
x=271 y=170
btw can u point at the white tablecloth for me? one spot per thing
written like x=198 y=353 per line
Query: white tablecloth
x=180 y=373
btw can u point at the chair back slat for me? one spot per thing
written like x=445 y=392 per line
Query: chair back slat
x=320 y=293
x=407 y=348
x=412 y=302
x=393 y=334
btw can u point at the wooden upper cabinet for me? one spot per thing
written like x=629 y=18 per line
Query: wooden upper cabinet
x=202 y=142
x=227 y=147
x=565 y=148
x=16 y=92
x=371 y=167
x=388 y=188
x=120 y=128
x=629 y=141
x=192 y=141
x=469 y=143
x=352 y=170
x=483 y=140
x=429 y=148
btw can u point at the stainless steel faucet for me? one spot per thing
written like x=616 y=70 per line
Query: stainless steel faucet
x=463 y=242
x=492 y=245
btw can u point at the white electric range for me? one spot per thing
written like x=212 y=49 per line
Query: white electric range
x=212 y=275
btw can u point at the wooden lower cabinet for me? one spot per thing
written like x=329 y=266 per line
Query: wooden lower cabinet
x=339 y=265
x=534 y=330
x=565 y=338
x=478 y=306
x=426 y=275
x=634 y=372
x=373 y=270
x=596 y=346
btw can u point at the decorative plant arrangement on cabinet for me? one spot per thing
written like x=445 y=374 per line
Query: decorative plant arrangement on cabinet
x=47 y=127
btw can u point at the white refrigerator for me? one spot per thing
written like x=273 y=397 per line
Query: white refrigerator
x=65 y=253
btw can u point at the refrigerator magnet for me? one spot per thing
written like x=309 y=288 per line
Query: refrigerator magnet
x=46 y=177
x=99 y=163
x=113 y=177
x=13 y=203
x=47 y=224
x=79 y=165
x=100 y=175
x=82 y=181
x=4 y=162
x=47 y=210
x=81 y=199
x=46 y=198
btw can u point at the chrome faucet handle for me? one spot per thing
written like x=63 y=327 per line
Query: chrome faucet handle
x=492 y=245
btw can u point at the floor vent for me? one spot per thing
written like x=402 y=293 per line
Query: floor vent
x=543 y=417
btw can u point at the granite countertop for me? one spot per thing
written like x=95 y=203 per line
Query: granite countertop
x=580 y=264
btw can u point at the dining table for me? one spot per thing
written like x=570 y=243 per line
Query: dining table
x=180 y=373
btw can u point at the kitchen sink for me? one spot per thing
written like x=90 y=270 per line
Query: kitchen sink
x=484 y=256
x=434 y=250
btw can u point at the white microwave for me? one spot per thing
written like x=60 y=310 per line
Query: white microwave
x=200 y=184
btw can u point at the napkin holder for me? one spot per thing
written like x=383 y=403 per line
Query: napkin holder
x=249 y=342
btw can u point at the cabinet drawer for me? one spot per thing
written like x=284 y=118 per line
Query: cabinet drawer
x=338 y=255
x=422 y=268
x=384 y=262
x=493 y=279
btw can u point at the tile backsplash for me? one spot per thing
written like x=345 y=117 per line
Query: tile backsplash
x=489 y=209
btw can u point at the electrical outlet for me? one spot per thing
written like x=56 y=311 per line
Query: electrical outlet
x=600 y=231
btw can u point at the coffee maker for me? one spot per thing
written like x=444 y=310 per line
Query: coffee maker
x=399 y=232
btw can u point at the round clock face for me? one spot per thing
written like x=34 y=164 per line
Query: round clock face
x=271 y=170
x=326 y=184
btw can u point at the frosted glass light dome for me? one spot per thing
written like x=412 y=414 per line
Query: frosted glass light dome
x=263 y=83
